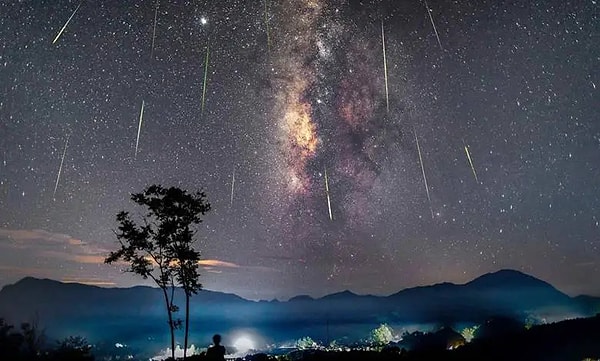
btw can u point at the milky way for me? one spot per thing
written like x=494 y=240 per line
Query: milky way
x=331 y=112
x=281 y=112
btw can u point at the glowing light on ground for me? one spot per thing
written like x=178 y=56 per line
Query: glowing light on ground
x=166 y=353
x=244 y=344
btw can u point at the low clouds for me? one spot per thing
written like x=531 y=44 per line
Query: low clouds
x=40 y=253
x=216 y=263
x=27 y=237
x=39 y=243
x=45 y=254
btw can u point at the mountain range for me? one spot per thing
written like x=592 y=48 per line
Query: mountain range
x=137 y=313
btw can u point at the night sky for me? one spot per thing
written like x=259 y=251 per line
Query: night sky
x=295 y=89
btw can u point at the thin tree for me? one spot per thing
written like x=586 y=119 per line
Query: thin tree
x=146 y=253
x=187 y=276
x=176 y=212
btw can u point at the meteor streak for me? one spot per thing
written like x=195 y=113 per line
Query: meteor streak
x=387 y=98
x=205 y=77
x=137 y=141
x=328 y=198
x=423 y=170
x=232 y=185
x=433 y=24
x=267 y=27
x=62 y=160
x=67 y=23
x=470 y=161
x=154 y=29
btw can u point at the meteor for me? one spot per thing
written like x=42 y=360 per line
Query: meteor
x=267 y=26
x=67 y=23
x=154 y=29
x=387 y=98
x=470 y=161
x=205 y=77
x=423 y=171
x=327 y=193
x=232 y=185
x=433 y=24
x=62 y=160
x=137 y=141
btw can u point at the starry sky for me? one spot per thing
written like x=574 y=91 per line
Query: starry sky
x=362 y=145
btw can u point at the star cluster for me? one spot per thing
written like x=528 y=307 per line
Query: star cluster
x=255 y=102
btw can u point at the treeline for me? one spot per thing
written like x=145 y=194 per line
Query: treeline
x=29 y=343
x=577 y=339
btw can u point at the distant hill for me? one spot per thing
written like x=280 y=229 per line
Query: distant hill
x=577 y=339
x=94 y=312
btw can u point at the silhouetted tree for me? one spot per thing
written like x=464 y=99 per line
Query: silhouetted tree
x=146 y=252
x=176 y=212
x=499 y=326
x=10 y=341
x=28 y=344
x=73 y=348
x=34 y=338
x=162 y=248
x=382 y=335
x=187 y=275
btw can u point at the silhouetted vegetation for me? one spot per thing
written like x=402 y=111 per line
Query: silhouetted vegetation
x=567 y=340
x=498 y=327
x=29 y=343
x=73 y=348
x=443 y=339
x=161 y=248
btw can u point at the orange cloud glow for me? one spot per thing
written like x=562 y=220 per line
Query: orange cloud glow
x=90 y=282
x=217 y=263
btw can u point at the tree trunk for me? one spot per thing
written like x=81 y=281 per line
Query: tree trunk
x=170 y=313
x=187 y=324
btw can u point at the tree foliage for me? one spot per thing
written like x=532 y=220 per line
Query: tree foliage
x=305 y=343
x=382 y=335
x=161 y=246
x=28 y=343
x=73 y=348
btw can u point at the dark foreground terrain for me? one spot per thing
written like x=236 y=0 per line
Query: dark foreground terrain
x=567 y=340
x=577 y=339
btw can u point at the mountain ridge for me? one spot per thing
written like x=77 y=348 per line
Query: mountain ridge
x=495 y=275
x=95 y=311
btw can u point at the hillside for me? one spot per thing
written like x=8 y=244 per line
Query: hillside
x=67 y=308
